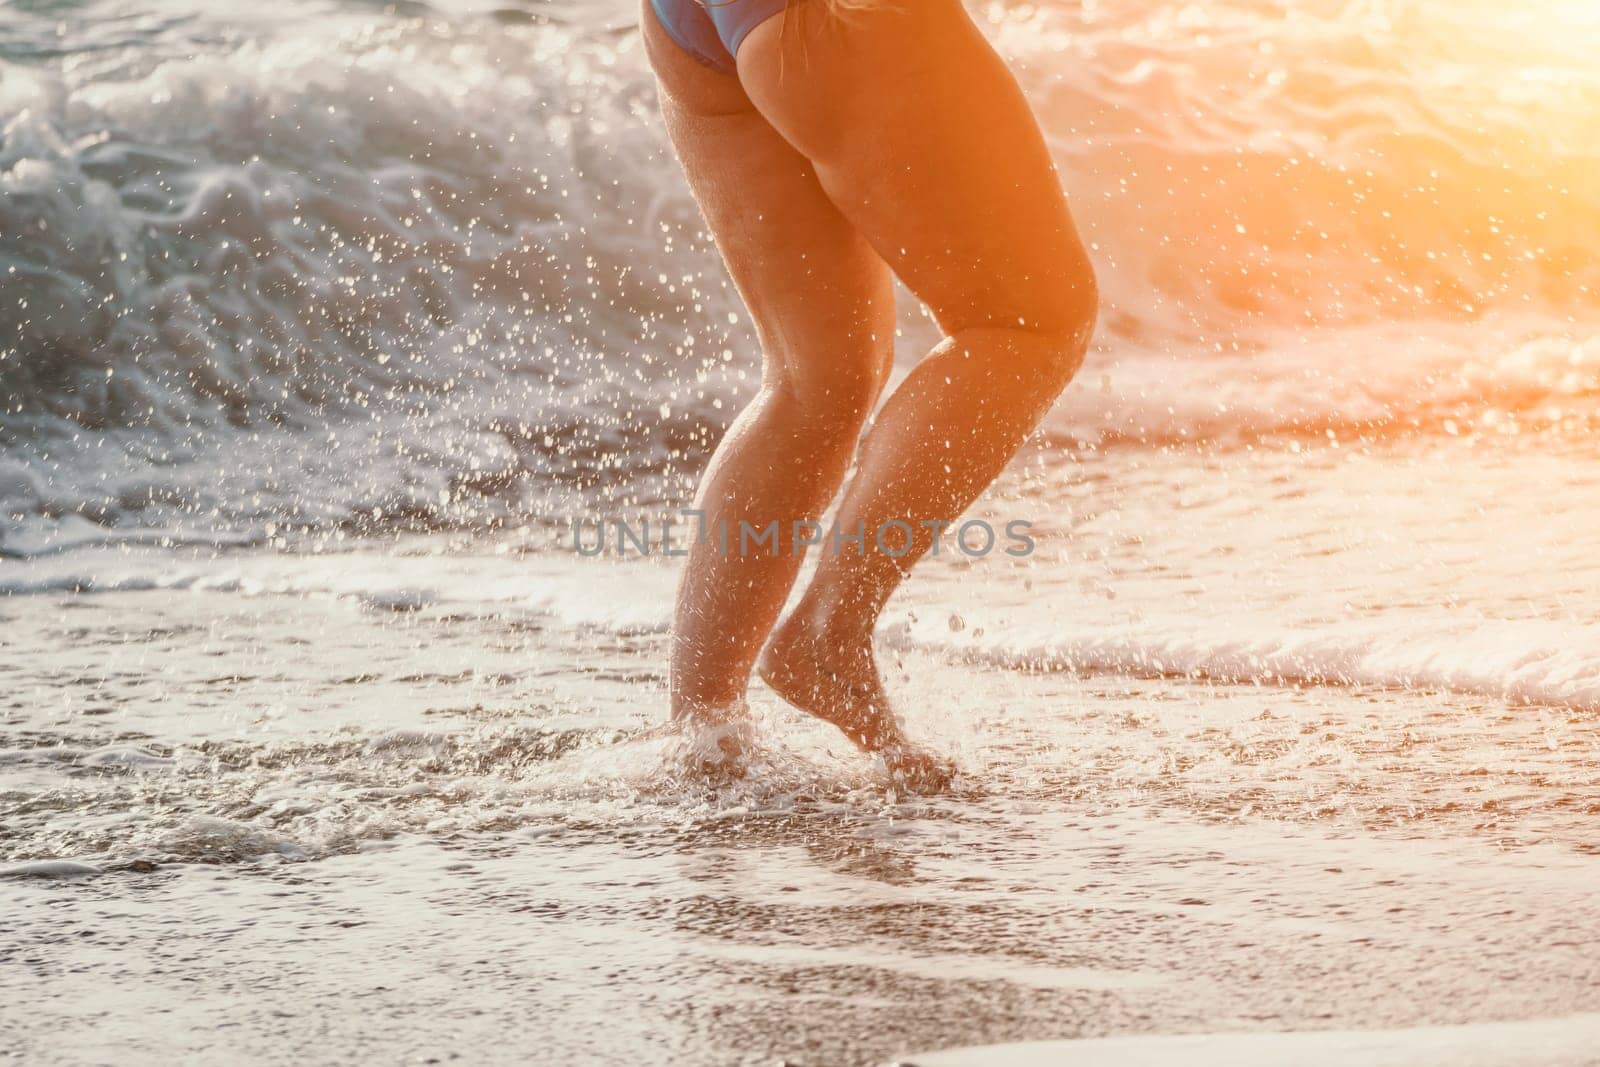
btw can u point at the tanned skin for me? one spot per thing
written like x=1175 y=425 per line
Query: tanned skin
x=847 y=150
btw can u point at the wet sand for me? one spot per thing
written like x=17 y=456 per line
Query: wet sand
x=462 y=844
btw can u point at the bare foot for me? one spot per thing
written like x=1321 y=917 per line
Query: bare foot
x=838 y=682
x=712 y=748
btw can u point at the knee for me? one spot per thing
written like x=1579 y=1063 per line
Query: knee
x=834 y=398
x=839 y=397
x=1065 y=326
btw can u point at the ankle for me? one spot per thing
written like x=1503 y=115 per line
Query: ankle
x=708 y=712
x=831 y=622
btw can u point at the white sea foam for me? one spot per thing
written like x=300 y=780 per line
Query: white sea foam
x=1519 y=661
x=48 y=869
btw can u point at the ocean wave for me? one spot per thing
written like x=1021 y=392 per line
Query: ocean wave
x=1503 y=378
x=1248 y=164
x=1517 y=661
x=1520 y=661
x=444 y=238
x=422 y=269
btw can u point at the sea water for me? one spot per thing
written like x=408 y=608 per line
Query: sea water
x=320 y=322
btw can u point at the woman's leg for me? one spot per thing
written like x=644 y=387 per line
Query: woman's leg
x=822 y=301
x=921 y=136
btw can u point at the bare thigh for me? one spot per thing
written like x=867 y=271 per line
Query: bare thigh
x=921 y=136
x=821 y=296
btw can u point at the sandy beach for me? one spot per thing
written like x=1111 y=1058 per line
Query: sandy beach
x=319 y=744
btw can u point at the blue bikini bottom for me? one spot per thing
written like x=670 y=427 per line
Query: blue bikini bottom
x=712 y=30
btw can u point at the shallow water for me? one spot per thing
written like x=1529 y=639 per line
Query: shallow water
x=301 y=782
x=317 y=743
